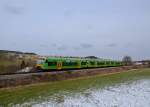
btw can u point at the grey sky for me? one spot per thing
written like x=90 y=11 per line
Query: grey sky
x=104 y=28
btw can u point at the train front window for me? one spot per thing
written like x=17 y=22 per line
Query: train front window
x=39 y=61
x=46 y=61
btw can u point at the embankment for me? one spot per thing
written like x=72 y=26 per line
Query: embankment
x=24 y=79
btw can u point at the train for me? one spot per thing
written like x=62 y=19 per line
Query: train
x=61 y=63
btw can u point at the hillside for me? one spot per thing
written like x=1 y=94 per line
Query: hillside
x=16 y=52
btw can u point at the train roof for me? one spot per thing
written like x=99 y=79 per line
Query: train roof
x=82 y=59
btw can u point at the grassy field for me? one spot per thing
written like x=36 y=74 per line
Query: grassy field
x=23 y=94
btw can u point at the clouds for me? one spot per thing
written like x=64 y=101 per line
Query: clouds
x=86 y=45
x=13 y=9
x=80 y=28
x=112 y=45
x=64 y=47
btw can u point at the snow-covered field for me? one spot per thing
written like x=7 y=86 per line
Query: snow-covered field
x=136 y=94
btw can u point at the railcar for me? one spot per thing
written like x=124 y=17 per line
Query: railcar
x=56 y=63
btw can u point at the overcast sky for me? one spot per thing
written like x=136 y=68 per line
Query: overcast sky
x=104 y=28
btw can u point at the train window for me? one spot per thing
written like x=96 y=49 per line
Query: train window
x=118 y=62
x=74 y=63
x=98 y=63
x=52 y=63
x=112 y=62
x=92 y=63
x=101 y=63
x=107 y=62
x=83 y=63
x=65 y=63
x=70 y=63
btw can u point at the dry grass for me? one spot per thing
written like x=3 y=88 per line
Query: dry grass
x=13 y=64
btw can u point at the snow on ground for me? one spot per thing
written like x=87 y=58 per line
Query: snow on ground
x=26 y=69
x=136 y=94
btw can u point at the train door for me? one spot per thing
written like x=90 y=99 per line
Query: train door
x=59 y=65
x=78 y=64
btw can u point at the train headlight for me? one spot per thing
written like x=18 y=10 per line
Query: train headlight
x=39 y=66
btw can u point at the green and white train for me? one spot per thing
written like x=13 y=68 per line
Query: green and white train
x=59 y=63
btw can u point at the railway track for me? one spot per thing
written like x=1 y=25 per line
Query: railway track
x=21 y=75
x=10 y=76
x=53 y=72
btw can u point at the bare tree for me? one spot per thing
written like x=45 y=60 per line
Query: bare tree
x=23 y=65
x=127 y=60
x=148 y=63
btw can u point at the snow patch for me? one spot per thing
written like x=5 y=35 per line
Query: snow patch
x=136 y=94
